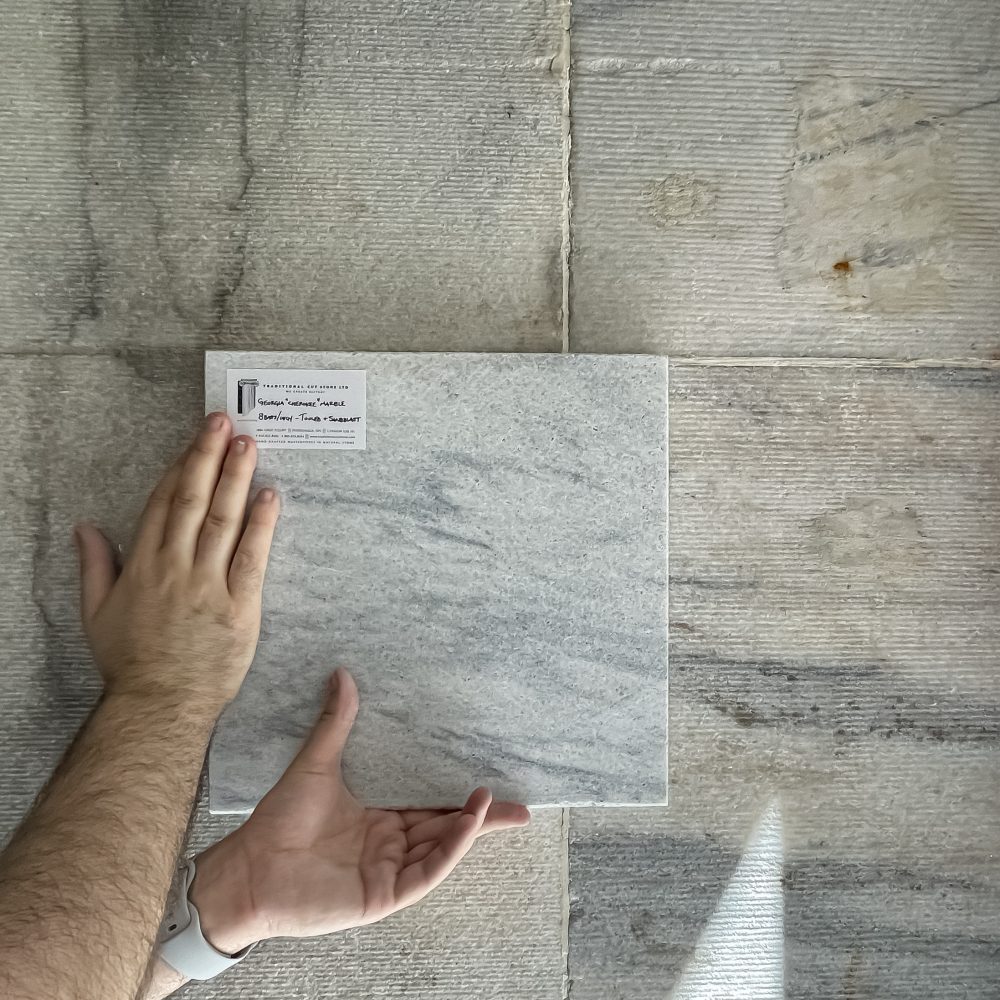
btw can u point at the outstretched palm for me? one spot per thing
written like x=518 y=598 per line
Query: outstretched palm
x=317 y=861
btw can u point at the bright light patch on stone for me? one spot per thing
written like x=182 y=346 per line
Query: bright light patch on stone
x=740 y=955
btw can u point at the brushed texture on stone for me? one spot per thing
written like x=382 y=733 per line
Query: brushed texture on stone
x=492 y=568
x=281 y=174
x=835 y=633
x=785 y=179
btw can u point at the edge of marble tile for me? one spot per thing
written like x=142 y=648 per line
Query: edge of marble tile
x=535 y=806
x=662 y=360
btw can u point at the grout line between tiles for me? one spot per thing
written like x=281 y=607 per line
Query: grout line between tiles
x=666 y=596
x=567 y=983
x=565 y=253
x=567 y=193
x=990 y=364
x=985 y=364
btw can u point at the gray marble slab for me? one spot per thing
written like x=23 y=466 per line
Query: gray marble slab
x=279 y=173
x=835 y=637
x=492 y=568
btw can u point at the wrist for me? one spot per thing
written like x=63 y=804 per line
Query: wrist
x=221 y=893
x=165 y=705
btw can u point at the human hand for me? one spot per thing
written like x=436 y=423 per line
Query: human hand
x=311 y=859
x=182 y=619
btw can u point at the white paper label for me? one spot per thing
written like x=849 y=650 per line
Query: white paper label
x=298 y=408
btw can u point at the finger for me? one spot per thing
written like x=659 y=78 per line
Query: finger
x=325 y=744
x=97 y=569
x=416 y=880
x=419 y=852
x=492 y=825
x=196 y=485
x=149 y=536
x=502 y=819
x=500 y=816
x=221 y=530
x=430 y=829
x=246 y=572
x=414 y=817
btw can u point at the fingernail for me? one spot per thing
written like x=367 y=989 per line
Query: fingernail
x=76 y=535
x=265 y=496
x=215 y=421
x=333 y=682
x=239 y=445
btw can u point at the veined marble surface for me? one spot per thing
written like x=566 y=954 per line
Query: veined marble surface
x=492 y=568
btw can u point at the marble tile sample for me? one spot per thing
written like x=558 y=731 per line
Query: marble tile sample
x=492 y=568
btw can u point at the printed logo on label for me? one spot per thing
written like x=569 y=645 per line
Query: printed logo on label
x=246 y=396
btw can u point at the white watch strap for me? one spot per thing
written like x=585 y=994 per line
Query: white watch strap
x=184 y=946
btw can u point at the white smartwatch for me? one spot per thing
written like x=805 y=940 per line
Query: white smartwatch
x=182 y=944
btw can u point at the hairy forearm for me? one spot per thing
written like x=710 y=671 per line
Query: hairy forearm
x=84 y=881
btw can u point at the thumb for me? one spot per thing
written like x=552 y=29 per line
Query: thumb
x=326 y=742
x=97 y=569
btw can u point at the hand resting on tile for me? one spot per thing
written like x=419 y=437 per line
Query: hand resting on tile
x=182 y=619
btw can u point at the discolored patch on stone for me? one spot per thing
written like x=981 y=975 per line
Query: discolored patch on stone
x=868 y=207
